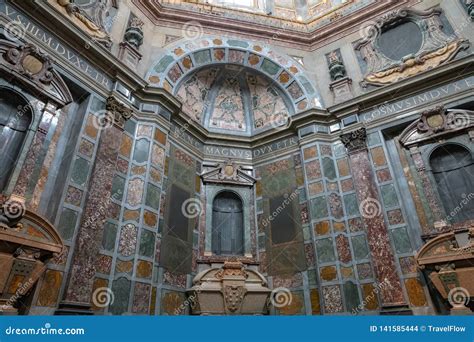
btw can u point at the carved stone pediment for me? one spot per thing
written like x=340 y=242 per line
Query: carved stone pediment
x=436 y=122
x=33 y=68
x=436 y=48
x=228 y=173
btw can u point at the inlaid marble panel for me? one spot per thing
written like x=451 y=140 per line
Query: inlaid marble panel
x=343 y=249
x=332 y=299
x=128 y=240
x=141 y=298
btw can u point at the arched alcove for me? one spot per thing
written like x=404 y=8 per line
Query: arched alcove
x=15 y=119
x=452 y=166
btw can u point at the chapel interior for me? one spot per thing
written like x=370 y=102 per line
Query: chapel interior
x=236 y=157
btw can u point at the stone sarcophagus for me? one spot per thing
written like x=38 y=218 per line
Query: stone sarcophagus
x=231 y=289
x=448 y=261
x=27 y=242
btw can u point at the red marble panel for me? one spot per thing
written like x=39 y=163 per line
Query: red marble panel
x=377 y=234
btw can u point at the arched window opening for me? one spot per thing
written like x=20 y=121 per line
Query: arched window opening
x=15 y=118
x=227 y=224
x=453 y=170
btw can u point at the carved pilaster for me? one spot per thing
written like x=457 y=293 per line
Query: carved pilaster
x=78 y=292
x=377 y=232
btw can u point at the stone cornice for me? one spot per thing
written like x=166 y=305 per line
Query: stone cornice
x=302 y=39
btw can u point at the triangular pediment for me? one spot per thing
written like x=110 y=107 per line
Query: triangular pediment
x=228 y=173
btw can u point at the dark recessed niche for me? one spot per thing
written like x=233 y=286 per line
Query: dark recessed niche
x=402 y=40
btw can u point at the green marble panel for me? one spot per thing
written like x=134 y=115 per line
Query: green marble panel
x=163 y=63
x=239 y=43
x=373 y=139
x=130 y=126
x=118 y=185
x=389 y=195
x=140 y=153
x=359 y=245
x=328 y=168
x=325 y=250
x=351 y=295
x=80 y=170
x=312 y=278
x=147 y=243
x=350 y=202
x=319 y=207
x=269 y=67
x=401 y=240
x=153 y=196
x=67 y=223
x=202 y=57
x=109 y=237
x=121 y=290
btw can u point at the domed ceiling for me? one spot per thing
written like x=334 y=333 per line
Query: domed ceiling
x=234 y=99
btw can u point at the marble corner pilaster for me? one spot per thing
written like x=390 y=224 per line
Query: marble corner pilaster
x=390 y=286
x=79 y=287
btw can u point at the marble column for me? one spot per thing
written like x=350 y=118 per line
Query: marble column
x=78 y=291
x=390 y=287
